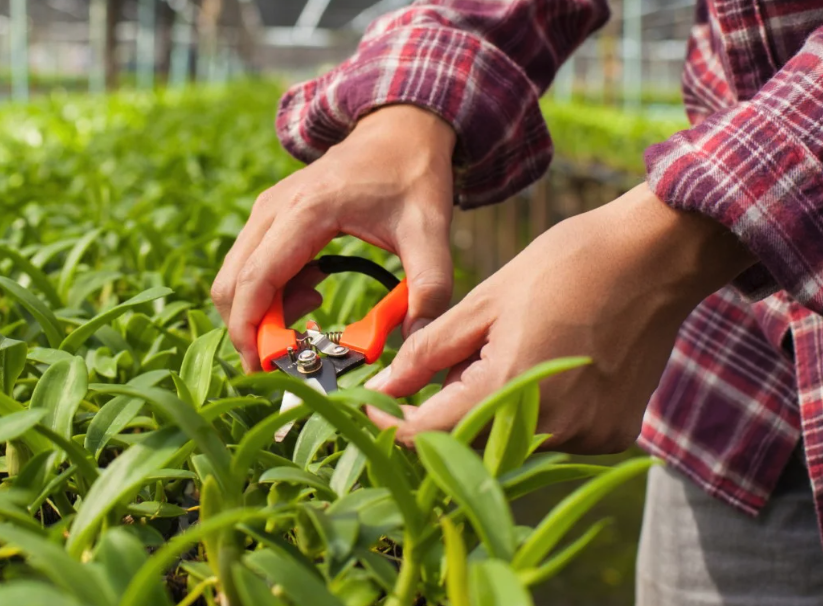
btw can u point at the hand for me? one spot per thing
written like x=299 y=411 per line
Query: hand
x=388 y=183
x=613 y=284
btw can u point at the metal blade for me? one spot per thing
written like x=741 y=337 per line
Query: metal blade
x=292 y=401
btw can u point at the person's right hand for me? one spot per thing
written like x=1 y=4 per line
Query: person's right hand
x=388 y=183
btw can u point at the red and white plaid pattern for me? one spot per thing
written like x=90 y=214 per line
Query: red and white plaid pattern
x=745 y=381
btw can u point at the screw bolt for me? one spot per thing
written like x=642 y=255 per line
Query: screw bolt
x=339 y=349
x=308 y=361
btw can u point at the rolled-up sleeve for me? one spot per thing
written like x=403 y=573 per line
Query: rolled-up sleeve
x=757 y=168
x=481 y=65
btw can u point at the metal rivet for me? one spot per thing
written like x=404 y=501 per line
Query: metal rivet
x=308 y=361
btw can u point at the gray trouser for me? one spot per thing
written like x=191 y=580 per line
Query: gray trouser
x=698 y=551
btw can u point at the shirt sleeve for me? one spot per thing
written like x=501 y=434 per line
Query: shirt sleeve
x=757 y=168
x=479 y=64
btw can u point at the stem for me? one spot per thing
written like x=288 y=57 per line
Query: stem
x=197 y=591
x=230 y=553
x=406 y=587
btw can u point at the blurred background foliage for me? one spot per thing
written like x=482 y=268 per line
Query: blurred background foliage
x=107 y=160
x=159 y=136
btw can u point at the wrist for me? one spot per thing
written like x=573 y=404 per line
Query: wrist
x=686 y=254
x=409 y=124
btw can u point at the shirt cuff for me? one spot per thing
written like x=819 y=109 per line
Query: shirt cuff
x=503 y=143
x=750 y=170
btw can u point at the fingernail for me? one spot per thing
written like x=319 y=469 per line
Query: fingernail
x=379 y=380
x=418 y=325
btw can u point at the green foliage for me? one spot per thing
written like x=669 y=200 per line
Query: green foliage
x=600 y=135
x=139 y=466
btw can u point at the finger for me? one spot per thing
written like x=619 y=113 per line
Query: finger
x=297 y=303
x=300 y=296
x=291 y=242
x=446 y=342
x=222 y=291
x=423 y=246
x=444 y=410
x=384 y=420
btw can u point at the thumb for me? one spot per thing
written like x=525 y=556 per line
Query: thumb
x=452 y=338
x=424 y=250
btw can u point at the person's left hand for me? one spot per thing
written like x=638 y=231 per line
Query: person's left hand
x=613 y=284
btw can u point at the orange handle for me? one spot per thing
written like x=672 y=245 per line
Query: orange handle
x=273 y=338
x=368 y=336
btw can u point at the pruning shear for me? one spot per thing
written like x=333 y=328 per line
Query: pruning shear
x=318 y=357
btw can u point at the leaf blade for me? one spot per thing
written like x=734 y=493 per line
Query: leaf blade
x=460 y=473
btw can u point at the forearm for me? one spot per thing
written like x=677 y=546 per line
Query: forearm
x=679 y=256
x=756 y=169
x=480 y=66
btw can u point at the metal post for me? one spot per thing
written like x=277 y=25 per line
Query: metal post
x=181 y=50
x=632 y=54
x=97 y=40
x=564 y=82
x=146 y=53
x=19 y=50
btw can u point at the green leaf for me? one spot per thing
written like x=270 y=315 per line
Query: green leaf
x=544 y=471
x=358 y=396
x=478 y=417
x=211 y=504
x=80 y=334
x=118 y=412
x=12 y=362
x=339 y=532
x=198 y=364
x=50 y=559
x=199 y=323
x=391 y=473
x=293 y=475
x=494 y=583
x=537 y=442
x=34 y=593
x=73 y=260
x=195 y=426
x=348 y=470
x=260 y=435
x=16 y=424
x=555 y=525
x=558 y=562
x=460 y=473
x=356 y=589
x=170 y=311
x=38 y=278
x=155 y=509
x=457 y=577
x=89 y=283
x=360 y=500
x=316 y=432
x=141 y=586
x=121 y=555
x=74 y=451
x=382 y=571
x=46 y=355
x=182 y=389
x=120 y=481
x=47 y=320
x=253 y=590
x=300 y=585
x=35 y=442
x=59 y=392
x=512 y=431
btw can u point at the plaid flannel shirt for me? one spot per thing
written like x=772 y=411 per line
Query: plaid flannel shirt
x=745 y=379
